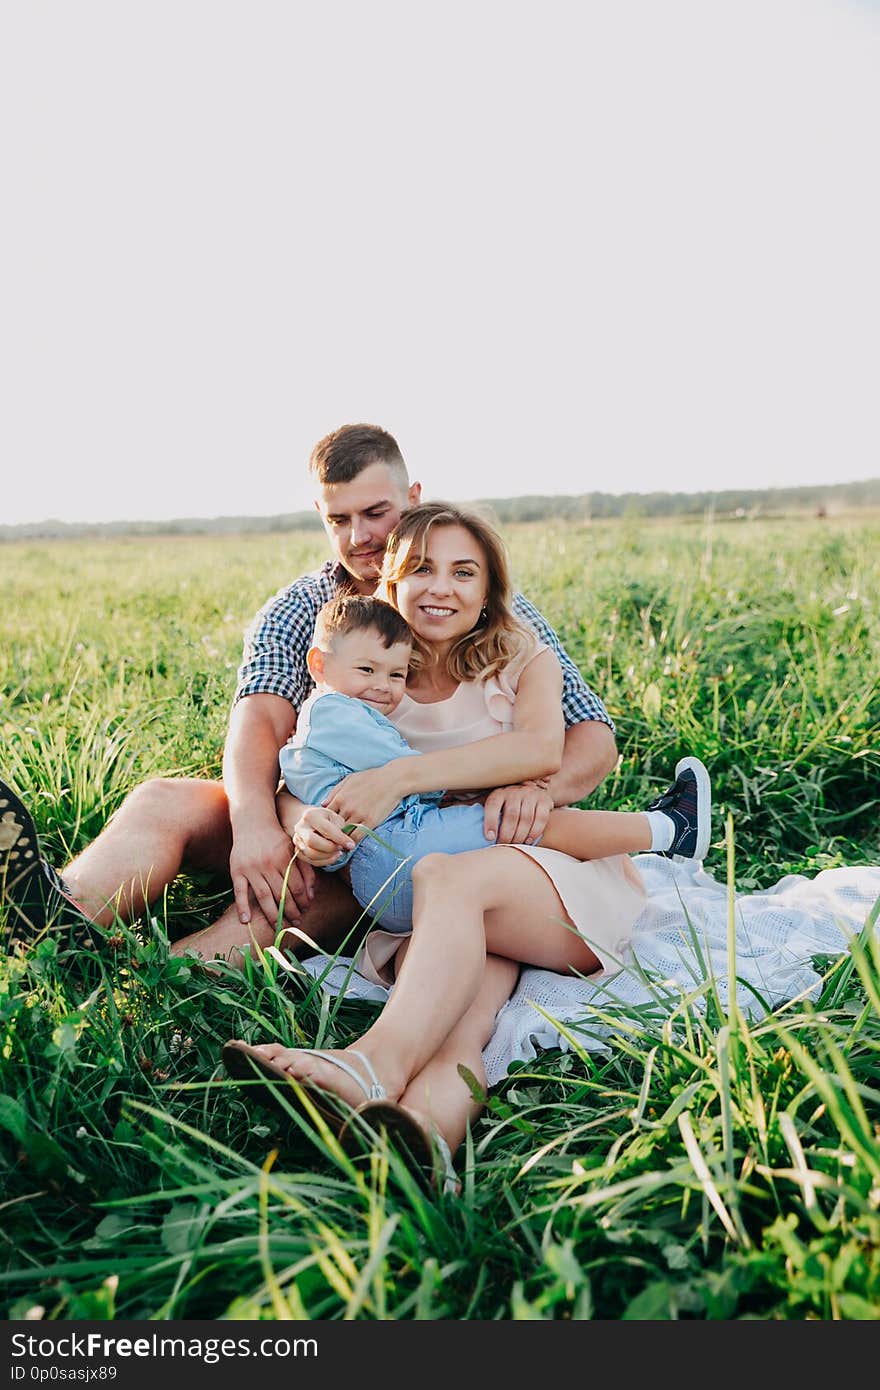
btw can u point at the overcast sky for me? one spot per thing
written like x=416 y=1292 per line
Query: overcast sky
x=551 y=246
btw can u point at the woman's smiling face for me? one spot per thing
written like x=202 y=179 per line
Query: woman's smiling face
x=442 y=598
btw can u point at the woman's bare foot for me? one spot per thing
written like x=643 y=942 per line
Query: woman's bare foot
x=315 y=1069
x=411 y=1132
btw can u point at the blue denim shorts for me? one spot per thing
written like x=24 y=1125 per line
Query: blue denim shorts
x=381 y=878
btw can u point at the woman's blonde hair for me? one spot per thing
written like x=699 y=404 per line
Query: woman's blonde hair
x=498 y=636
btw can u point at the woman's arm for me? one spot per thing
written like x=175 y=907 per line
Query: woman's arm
x=533 y=749
x=518 y=815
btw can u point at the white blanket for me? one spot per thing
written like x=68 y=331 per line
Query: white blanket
x=679 y=946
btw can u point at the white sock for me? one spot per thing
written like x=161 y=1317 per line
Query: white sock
x=662 y=829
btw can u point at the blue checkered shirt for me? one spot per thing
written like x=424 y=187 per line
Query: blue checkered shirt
x=275 y=646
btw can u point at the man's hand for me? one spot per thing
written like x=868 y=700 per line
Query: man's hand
x=260 y=860
x=319 y=837
x=517 y=815
x=366 y=798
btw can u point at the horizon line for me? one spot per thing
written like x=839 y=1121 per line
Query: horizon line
x=309 y=514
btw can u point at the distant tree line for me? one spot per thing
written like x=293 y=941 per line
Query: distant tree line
x=584 y=507
x=735 y=502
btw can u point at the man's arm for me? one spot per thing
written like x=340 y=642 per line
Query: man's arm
x=273 y=682
x=579 y=702
x=259 y=726
x=589 y=754
x=261 y=849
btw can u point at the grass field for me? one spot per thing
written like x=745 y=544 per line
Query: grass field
x=700 y=1170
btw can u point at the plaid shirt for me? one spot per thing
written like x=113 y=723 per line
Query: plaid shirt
x=275 y=646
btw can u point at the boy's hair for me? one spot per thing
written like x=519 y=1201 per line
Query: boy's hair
x=342 y=455
x=359 y=613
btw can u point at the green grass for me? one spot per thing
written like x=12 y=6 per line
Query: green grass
x=704 y=1168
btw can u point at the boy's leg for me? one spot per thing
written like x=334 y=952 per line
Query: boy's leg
x=678 y=822
x=596 y=834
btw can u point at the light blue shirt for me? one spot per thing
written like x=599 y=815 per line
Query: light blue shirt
x=336 y=735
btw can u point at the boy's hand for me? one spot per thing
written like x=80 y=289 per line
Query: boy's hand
x=319 y=837
x=517 y=815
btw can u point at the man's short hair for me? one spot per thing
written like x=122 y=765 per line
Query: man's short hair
x=360 y=613
x=342 y=455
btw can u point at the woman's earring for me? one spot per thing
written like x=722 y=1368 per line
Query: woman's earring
x=484 y=613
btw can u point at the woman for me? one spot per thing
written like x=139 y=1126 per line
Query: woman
x=482 y=705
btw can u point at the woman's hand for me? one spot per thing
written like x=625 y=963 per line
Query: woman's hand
x=367 y=798
x=319 y=838
x=517 y=815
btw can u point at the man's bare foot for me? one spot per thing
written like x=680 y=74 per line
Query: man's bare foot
x=224 y=938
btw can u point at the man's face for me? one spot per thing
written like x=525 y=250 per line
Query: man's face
x=359 y=517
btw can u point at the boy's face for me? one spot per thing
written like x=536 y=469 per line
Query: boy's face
x=360 y=665
x=359 y=517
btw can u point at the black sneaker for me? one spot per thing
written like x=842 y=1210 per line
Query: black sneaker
x=688 y=804
x=34 y=895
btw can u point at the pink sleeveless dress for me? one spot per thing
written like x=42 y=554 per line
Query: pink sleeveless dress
x=602 y=897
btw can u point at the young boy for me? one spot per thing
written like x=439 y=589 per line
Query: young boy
x=359 y=660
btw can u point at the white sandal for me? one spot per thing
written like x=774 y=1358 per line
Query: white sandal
x=424 y=1144
x=245 y=1063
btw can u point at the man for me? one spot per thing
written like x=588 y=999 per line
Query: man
x=361 y=489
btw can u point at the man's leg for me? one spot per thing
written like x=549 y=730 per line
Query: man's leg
x=161 y=825
x=129 y=865
x=328 y=920
x=170 y=823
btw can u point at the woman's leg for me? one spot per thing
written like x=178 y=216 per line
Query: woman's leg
x=499 y=897
x=437 y=1095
